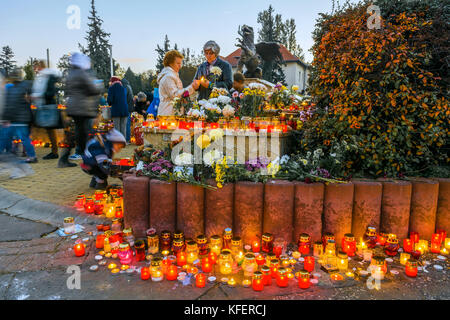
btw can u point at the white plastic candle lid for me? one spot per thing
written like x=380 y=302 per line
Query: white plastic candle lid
x=441 y=258
x=301 y=259
x=314 y=281
x=389 y=260
x=102 y=263
x=98 y=257
x=317 y=275
x=438 y=267
x=211 y=279
x=363 y=272
x=394 y=272
x=93 y=268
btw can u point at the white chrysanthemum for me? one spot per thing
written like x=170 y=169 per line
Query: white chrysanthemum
x=213 y=100
x=228 y=111
x=224 y=99
x=258 y=86
x=194 y=113
x=202 y=102
x=184 y=159
x=216 y=134
x=284 y=159
x=212 y=156
x=216 y=71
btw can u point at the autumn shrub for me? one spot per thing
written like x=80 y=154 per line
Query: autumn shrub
x=373 y=89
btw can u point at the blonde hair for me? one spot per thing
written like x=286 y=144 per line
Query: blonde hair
x=170 y=57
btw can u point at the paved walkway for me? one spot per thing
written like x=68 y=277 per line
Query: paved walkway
x=58 y=186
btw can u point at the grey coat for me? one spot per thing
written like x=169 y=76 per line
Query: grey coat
x=82 y=93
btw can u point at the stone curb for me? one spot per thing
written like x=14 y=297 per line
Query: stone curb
x=20 y=206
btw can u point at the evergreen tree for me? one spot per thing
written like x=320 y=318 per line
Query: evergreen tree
x=98 y=46
x=29 y=70
x=64 y=64
x=290 y=40
x=161 y=53
x=6 y=60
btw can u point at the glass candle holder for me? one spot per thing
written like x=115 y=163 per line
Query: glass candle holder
x=178 y=235
x=69 y=225
x=128 y=236
x=309 y=264
x=98 y=207
x=172 y=273
x=349 y=244
x=279 y=247
x=145 y=273
x=125 y=254
x=227 y=236
x=260 y=260
x=407 y=245
x=304 y=243
x=89 y=206
x=177 y=246
x=100 y=241
x=153 y=244
x=382 y=237
x=236 y=246
x=225 y=262
x=116 y=226
x=274 y=265
x=367 y=255
x=202 y=243
x=256 y=246
x=106 y=244
x=181 y=258
x=267 y=242
x=200 y=280
x=318 y=249
x=436 y=243
x=207 y=265
x=80 y=201
x=216 y=244
x=284 y=261
x=414 y=236
x=342 y=261
x=212 y=256
x=447 y=243
x=156 y=270
x=304 y=279
x=442 y=234
x=328 y=236
x=411 y=268
x=257 y=281
x=79 y=250
x=378 y=267
x=370 y=237
x=266 y=275
x=422 y=246
x=191 y=251
x=391 y=246
x=404 y=257
x=140 y=250
x=165 y=242
x=119 y=212
x=282 y=279
x=249 y=265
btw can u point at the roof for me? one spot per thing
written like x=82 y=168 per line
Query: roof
x=233 y=58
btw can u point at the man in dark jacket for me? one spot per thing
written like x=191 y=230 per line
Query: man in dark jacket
x=211 y=51
x=130 y=102
x=17 y=112
x=117 y=99
x=83 y=98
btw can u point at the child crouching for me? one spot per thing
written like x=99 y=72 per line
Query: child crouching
x=98 y=156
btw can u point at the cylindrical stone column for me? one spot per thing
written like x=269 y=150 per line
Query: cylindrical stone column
x=443 y=209
x=424 y=200
x=190 y=210
x=135 y=202
x=366 y=206
x=395 y=207
x=308 y=209
x=338 y=207
x=248 y=210
x=163 y=205
x=279 y=209
x=219 y=209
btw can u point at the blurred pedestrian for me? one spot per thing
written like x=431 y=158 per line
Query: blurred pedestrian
x=142 y=104
x=44 y=93
x=117 y=99
x=103 y=99
x=17 y=112
x=83 y=98
x=153 y=107
x=130 y=103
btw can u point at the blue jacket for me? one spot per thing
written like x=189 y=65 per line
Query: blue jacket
x=117 y=99
x=225 y=80
x=153 y=108
x=95 y=153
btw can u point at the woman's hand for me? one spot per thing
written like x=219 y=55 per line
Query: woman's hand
x=196 y=84
x=205 y=83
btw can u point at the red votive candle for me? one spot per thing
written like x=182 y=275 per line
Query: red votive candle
x=407 y=245
x=303 y=280
x=172 y=273
x=256 y=247
x=282 y=279
x=257 y=281
x=206 y=265
x=278 y=250
x=442 y=234
x=145 y=273
x=99 y=241
x=79 y=250
x=200 y=280
x=309 y=263
x=411 y=268
x=181 y=258
x=414 y=236
x=212 y=257
x=260 y=260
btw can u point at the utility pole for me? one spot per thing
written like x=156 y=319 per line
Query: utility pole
x=112 y=64
x=48 y=58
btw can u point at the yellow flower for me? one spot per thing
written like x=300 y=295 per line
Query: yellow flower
x=203 y=141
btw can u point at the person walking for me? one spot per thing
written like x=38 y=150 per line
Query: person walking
x=17 y=112
x=44 y=93
x=130 y=103
x=117 y=99
x=83 y=98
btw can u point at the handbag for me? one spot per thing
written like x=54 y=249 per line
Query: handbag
x=49 y=117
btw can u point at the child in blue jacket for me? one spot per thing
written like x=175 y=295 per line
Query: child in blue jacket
x=98 y=156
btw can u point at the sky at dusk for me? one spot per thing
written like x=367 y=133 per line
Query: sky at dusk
x=29 y=27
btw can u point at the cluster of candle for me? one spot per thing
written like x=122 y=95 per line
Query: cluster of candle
x=105 y=203
x=268 y=124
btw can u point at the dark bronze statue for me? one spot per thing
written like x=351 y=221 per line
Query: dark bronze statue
x=253 y=55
